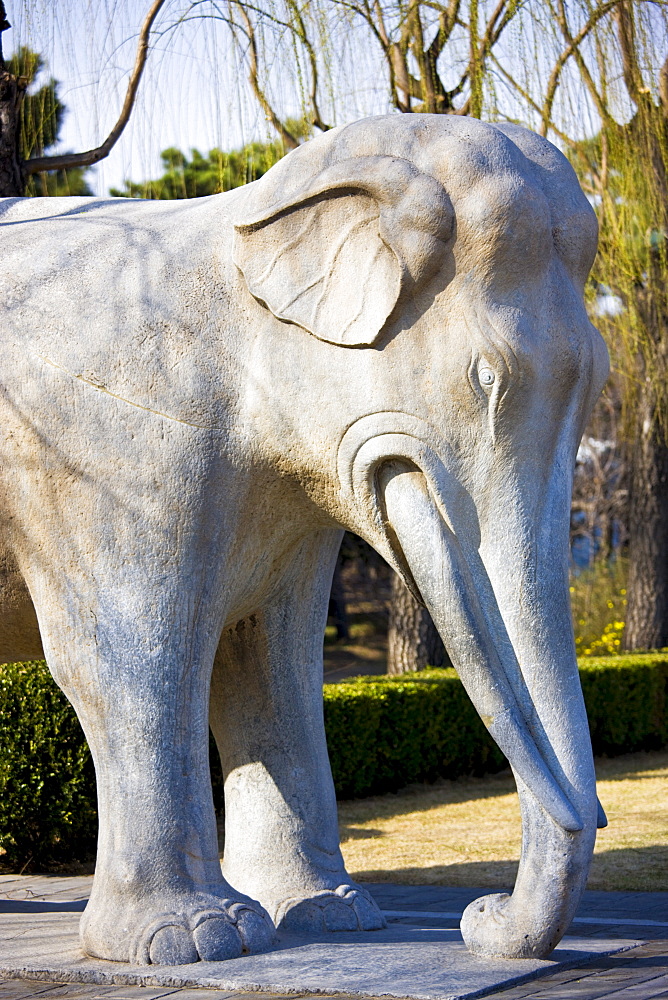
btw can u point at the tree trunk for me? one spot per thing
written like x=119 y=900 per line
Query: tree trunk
x=412 y=640
x=337 y=604
x=12 y=182
x=647 y=590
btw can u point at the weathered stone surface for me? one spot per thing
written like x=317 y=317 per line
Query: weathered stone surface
x=384 y=333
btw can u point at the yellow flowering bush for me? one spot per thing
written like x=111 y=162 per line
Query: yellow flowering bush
x=609 y=643
x=598 y=600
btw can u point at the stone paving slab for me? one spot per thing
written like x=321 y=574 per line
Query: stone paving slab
x=425 y=942
x=396 y=962
x=39 y=940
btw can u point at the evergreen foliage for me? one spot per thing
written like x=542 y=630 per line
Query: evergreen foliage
x=41 y=117
x=211 y=174
x=47 y=781
x=386 y=732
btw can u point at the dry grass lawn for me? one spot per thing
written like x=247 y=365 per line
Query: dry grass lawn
x=467 y=832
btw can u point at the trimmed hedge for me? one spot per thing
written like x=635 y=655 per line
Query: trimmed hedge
x=627 y=701
x=48 y=807
x=386 y=732
x=383 y=733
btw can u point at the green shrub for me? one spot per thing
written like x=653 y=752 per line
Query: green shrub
x=386 y=732
x=598 y=603
x=627 y=701
x=48 y=802
x=47 y=782
x=382 y=733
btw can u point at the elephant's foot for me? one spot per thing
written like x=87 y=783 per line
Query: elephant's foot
x=192 y=928
x=346 y=908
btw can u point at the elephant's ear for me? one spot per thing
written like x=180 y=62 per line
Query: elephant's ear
x=335 y=256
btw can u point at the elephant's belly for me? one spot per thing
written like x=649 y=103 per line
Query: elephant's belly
x=19 y=631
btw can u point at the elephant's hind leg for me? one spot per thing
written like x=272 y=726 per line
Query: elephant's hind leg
x=281 y=832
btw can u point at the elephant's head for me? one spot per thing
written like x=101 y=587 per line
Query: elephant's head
x=440 y=264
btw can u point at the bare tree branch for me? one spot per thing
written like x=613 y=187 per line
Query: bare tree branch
x=475 y=66
x=427 y=69
x=493 y=31
x=490 y=36
x=446 y=22
x=396 y=64
x=366 y=15
x=382 y=30
x=66 y=160
x=301 y=33
x=381 y=34
x=398 y=57
x=531 y=102
x=587 y=78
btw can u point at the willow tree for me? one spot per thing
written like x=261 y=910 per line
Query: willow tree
x=436 y=56
x=613 y=62
x=633 y=261
x=29 y=122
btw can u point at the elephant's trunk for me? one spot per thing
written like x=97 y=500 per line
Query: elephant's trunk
x=506 y=625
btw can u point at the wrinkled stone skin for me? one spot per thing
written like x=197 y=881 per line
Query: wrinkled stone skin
x=385 y=333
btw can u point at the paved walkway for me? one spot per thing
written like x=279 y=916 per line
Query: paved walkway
x=638 y=974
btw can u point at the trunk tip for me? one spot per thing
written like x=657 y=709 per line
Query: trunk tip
x=490 y=929
x=601 y=818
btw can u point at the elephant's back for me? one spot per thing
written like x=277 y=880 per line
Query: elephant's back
x=74 y=242
x=119 y=294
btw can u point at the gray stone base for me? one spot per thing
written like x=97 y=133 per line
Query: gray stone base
x=39 y=940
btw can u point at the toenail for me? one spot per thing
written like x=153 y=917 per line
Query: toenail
x=368 y=915
x=302 y=918
x=172 y=945
x=217 y=940
x=257 y=933
x=340 y=916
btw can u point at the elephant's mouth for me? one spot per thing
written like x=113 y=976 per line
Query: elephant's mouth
x=393 y=465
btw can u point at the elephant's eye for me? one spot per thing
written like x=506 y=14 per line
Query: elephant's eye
x=486 y=377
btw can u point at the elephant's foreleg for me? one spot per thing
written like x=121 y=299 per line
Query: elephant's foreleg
x=281 y=832
x=136 y=668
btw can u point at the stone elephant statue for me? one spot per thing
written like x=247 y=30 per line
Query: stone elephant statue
x=385 y=333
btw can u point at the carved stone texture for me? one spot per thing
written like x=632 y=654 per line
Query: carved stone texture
x=385 y=333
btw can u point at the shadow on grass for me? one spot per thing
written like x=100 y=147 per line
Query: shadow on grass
x=631 y=869
x=427 y=795
x=498 y=875
x=628 y=869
